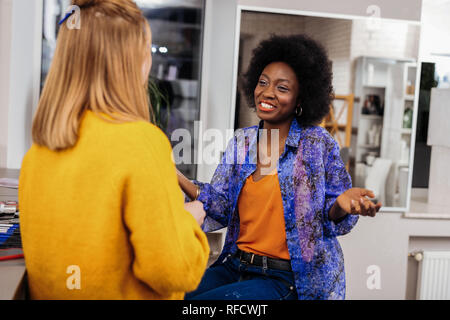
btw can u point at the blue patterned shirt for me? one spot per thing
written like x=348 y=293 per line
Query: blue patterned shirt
x=311 y=175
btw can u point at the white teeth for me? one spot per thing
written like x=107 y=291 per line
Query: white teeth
x=266 y=106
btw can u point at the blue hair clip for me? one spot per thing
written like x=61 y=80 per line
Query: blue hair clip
x=66 y=17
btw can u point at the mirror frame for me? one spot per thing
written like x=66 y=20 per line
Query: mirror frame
x=241 y=8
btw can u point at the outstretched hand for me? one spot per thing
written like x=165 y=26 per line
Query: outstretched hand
x=354 y=201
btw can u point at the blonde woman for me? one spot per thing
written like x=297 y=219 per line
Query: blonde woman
x=102 y=216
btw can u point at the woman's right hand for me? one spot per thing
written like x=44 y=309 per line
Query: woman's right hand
x=187 y=186
x=197 y=211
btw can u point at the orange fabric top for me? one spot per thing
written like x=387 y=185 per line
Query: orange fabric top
x=262 y=228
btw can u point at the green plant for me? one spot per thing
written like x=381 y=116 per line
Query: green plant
x=159 y=104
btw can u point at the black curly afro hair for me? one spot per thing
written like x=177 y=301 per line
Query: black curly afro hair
x=310 y=63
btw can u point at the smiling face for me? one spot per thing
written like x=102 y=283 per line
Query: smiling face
x=276 y=94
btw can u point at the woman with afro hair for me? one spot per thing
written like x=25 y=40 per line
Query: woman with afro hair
x=281 y=188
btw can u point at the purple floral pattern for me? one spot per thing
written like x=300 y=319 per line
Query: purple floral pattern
x=311 y=176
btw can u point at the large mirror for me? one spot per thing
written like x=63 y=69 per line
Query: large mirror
x=375 y=76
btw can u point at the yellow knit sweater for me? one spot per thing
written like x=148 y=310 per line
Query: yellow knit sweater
x=105 y=219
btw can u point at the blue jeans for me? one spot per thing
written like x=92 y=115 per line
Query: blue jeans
x=236 y=280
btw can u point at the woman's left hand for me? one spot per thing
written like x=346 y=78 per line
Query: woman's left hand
x=354 y=201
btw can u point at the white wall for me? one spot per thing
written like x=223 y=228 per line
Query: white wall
x=385 y=242
x=435 y=33
x=404 y=10
x=5 y=48
x=20 y=58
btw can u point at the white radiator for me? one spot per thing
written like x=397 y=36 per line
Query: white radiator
x=434 y=275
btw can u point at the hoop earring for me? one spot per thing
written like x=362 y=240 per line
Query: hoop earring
x=297 y=113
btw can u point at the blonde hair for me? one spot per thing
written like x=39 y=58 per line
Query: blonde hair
x=97 y=67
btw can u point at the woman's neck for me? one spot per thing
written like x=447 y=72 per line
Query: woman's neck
x=271 y=146
x=283 y=129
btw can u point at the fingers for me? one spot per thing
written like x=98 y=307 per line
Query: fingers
x=371 y=209
x=355 y=207
x=367 y=192
x=364 y=207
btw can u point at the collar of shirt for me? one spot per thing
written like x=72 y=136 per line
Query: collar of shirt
x=293 y=138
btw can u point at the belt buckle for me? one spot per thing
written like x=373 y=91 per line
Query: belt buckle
x=253 y=257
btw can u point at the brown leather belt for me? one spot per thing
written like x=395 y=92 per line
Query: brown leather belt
x=258 y=261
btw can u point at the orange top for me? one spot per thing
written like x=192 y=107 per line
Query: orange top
x=262 y=228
